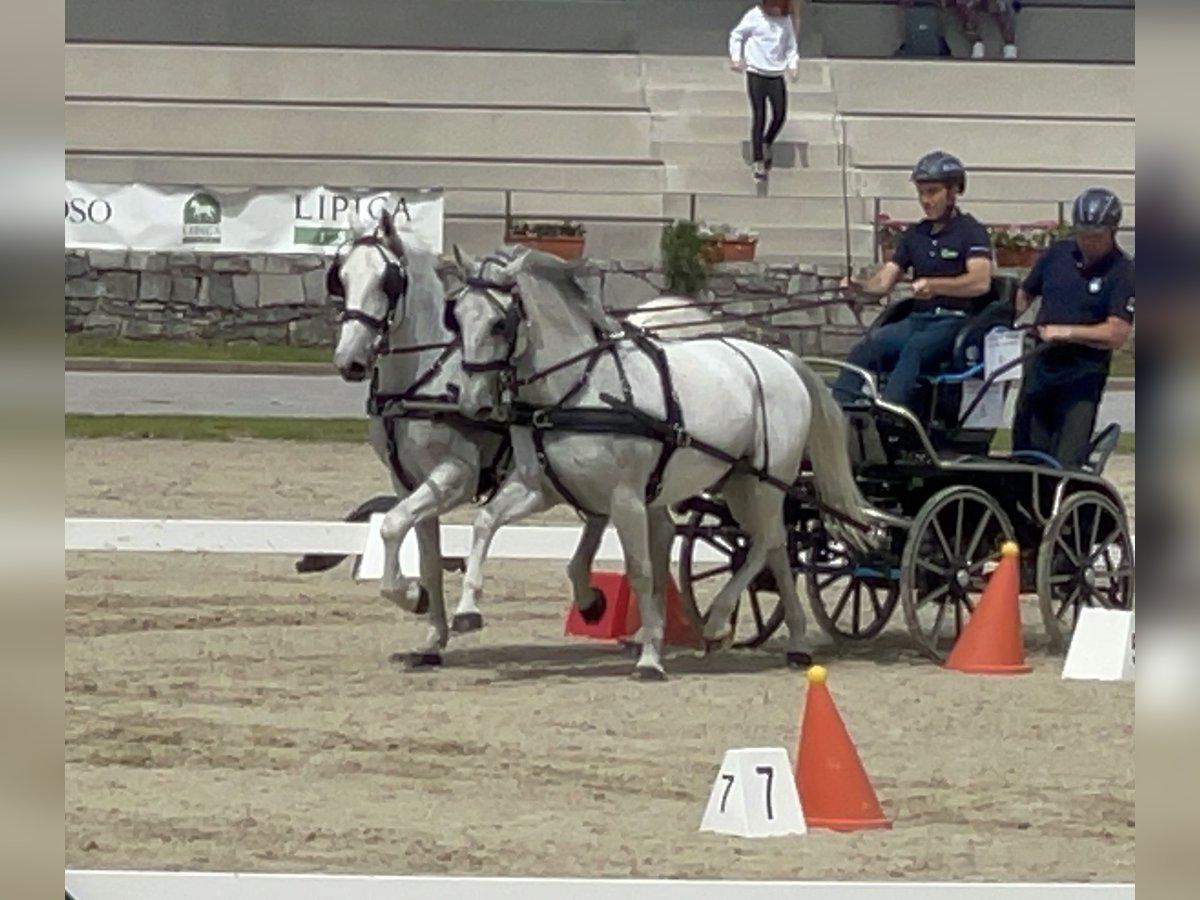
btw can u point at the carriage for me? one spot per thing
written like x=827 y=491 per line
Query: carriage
x=948 y=503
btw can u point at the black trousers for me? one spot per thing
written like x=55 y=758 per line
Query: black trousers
x=764 y=88
x=1057 y=416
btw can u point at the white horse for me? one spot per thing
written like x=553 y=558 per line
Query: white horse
x=529 y=328
x=393 y=323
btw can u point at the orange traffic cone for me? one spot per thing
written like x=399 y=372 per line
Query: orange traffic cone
x=992 y=643
x=835 y=792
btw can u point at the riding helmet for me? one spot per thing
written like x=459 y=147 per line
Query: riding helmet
x=943 y=168
x=1096 y=207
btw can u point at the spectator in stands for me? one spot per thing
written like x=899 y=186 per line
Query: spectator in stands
x=1087 y=287
x=763 y=45
x=950 y=256
x=1003 y=11
x=921 y=26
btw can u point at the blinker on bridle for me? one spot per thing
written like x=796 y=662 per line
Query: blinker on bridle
x=394 y=285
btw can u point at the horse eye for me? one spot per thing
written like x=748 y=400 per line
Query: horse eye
x=498 y=327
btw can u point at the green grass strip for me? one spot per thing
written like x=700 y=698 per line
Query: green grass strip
x=214 y=428
x=78 y=346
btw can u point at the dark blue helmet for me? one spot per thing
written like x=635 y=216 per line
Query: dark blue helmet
x=943 y=168
x=1096 y=208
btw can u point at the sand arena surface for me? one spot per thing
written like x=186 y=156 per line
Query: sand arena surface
x=225 y=713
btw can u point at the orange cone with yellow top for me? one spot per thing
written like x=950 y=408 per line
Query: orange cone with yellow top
x=834 y=789
x=992 y=642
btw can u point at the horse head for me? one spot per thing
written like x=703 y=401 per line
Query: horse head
x=373 y=278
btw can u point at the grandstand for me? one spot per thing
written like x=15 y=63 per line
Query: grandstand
x=621 y=141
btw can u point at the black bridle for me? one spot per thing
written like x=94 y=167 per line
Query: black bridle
x=393 y=284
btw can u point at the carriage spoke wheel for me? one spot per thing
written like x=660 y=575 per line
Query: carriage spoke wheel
x=954 y=537
x=852 y=599
x=1086 y=559
x=759 y=611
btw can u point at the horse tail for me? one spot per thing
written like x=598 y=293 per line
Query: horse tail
x=323 y=562
x=829 y=450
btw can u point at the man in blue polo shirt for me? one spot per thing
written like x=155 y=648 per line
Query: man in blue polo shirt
x=950 y=256
x=1087 y=289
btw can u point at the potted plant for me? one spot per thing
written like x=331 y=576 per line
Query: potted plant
x=564 y=239
x=684 y=251
x=724 y=243
x=887 y=232
x=1018 y=246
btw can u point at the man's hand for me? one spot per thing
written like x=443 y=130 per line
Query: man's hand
x=921 y=289
x=1054 y=332
x=794 y=73
x=737 y=65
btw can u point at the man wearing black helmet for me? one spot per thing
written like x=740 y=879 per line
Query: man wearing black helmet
x=950 y=257
x=1087 y=289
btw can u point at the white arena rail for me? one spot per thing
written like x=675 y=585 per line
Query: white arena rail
x=107 y=885
x=555 y=543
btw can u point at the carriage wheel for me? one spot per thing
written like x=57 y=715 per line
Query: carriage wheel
x=955 y=535
x=1086 y=559
x=759 y=612
x=852 y=599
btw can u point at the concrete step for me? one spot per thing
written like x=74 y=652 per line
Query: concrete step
x=782 y=183
x=704 y=127
x=1009 y=144
x=993 y=212
x=669 y=71
x=649 y=177
x=766 y=212
x=351 y=76
x=732 y=100
x=735 y=154
x=803 y=242
x=454 y=133
x=884 y=86
x=1002 y=185
x=604 y=240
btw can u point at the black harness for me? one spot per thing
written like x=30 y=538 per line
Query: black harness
x=411 y=403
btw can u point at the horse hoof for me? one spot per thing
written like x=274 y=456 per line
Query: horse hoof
x=423 y=659
x=630 y=649
x=422 y=605
x=649 y=673
x=595 y=612
x=717 y=646
x=464 y=623
x=799 y=660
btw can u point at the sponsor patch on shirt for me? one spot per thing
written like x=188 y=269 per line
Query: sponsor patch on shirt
x=1094 y=285
x=949 y=253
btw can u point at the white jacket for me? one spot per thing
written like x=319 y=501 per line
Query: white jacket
x=767 y=43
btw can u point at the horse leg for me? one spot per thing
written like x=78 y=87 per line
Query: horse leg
x=588 y=600
x=629 y=517
x=429 y=540
x=447 y=486
x=515 y=500
x=738 y=493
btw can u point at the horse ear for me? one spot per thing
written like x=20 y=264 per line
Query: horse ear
x=387 y=225
x=464 y=262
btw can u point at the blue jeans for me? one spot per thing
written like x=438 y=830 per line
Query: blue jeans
x=906 y=349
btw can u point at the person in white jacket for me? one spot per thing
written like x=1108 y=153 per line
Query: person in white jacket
x=763 y=45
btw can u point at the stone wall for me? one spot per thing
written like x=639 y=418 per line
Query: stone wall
x=282 y=300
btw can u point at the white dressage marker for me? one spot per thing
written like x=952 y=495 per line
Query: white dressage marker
x=754 y=795
x=1102 y=646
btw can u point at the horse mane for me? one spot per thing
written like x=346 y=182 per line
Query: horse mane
x=555 y=284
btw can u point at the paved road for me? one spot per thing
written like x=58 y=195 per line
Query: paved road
x=317 y=396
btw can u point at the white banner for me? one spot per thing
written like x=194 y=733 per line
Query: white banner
x=221 y=220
